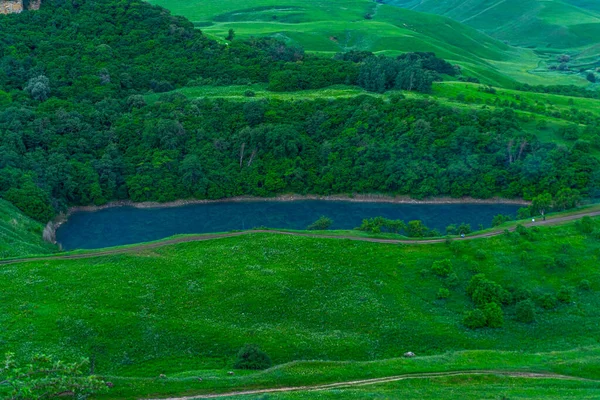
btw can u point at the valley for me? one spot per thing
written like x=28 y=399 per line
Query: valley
x=482 y=118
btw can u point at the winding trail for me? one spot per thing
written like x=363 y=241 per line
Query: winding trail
x=204 y=237
x=375 y=381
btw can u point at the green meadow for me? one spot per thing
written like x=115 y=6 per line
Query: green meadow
x=184 y=310
x=543 y=24
x=337 y=26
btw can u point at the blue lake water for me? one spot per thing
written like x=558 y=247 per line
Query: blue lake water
x=127 y=225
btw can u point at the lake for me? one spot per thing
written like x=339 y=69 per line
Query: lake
x=127 y=225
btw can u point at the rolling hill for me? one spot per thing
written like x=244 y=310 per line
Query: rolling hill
x=547 y=25
x=336 y=26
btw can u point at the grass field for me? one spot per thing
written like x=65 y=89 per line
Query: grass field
x=19 y=235
x=185 y=310
x=336 y=26
x=543 y=24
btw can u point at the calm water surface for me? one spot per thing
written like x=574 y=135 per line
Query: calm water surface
x=127 y=225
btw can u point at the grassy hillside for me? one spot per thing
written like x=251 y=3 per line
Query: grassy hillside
x=190 y=307
x=20 y=235
x=554 y=24
x=336 y=26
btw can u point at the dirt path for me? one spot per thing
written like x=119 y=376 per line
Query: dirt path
x=200 y=238
x=375 y=381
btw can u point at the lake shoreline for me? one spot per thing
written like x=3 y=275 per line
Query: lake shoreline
x=52 y=226
x=297 y=197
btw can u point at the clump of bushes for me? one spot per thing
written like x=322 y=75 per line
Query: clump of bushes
x=321 y=224
x=252 y=357
x=490 y=316
x=443 y=293
x=442 y=268
x=380 y=224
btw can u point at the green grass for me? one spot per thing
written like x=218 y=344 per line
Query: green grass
x=189 y=307
x=237 y=93
x=330 y=27
x=544 y=102
x=478 y=387
x=544 y=24
x=20 y=235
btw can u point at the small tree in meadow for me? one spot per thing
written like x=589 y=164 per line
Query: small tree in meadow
x=252 y=357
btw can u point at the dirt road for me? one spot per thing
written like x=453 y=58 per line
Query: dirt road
x=396 y=378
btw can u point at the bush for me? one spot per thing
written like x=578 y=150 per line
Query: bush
x=442 y=268
x=500 y=219
x=565 y=294
x=252 y=357
x=484 y=291
x=585 y=285
x=480 y=254
x=547 y=301
x=443 y=293
x=524 y=213
x=321 y=224
x=474 y=319
x=525 y=311
x=249 y=93
x=452 y=280
x=493 y=315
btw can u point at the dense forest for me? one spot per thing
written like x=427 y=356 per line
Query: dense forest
x=75 y=127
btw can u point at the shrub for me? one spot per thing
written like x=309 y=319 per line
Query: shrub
x=249 y=93
x=565 y=294
x=585 y=225
x=585 y=285
x=525 y=311
x=547 y=301
x=442 y=267
x=521 y=294
x=500 y=219
x=452 y=280
x=474 y=319
x=321 y=224
x=480 y=254
x=484 y=291
x=493 y=315
x=443 y=293
x=252 y=357
x=524 y=213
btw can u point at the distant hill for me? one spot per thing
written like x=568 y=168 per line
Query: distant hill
x=335 y=26
x=543 y=24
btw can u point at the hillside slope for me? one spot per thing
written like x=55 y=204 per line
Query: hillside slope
x=336 y=26
x=191 y=306
x=554 y=24
x=20 y=235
